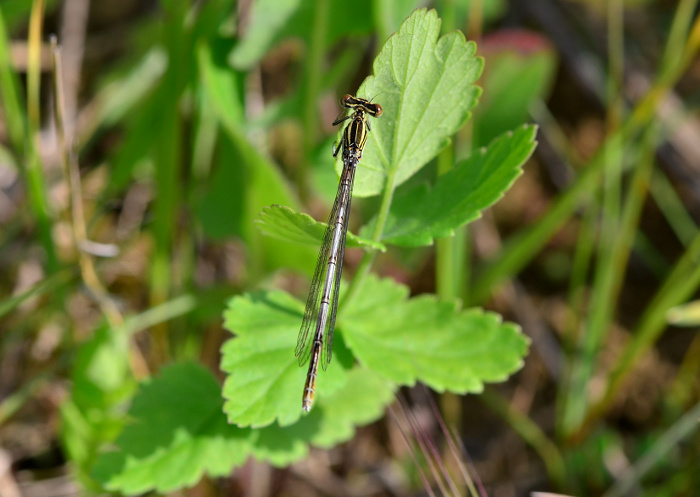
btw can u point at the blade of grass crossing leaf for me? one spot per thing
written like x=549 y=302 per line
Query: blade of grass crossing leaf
x=38 y=198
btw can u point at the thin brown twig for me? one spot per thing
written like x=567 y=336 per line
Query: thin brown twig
x=73 y=27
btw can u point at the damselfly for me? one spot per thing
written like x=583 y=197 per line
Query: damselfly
x=322 y=303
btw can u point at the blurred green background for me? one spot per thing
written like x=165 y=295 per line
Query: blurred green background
x=125 y=227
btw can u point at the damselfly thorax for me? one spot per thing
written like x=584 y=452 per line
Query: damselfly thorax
x=355 y=134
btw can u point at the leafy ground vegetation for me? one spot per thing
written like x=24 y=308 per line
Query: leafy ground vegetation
x=517 y=310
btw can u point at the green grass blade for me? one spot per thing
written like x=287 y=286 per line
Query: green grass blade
x=663 y=446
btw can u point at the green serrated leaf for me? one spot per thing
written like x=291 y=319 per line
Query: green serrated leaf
x=424 y=339
x=265 y=382
x=421 y=214
x=178 y=434
x=283 y=223
x=360 y=401
x=426 y=87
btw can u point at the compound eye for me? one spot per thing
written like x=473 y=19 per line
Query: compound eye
x=378 y=110
x=345 y=100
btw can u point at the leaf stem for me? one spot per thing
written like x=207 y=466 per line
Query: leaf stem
x=449 y=250
x=368 y=257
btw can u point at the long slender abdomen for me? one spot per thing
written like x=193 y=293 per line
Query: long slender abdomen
x=310 y=387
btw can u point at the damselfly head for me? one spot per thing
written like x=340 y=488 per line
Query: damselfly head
x=357 y=103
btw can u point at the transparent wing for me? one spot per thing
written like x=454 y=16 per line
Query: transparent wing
x=327 y=352
x=313 y=302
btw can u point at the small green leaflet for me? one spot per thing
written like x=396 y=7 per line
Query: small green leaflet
x=265 y=381
x=177 y=433
x=421 y=214
x=424 y=339
x=285 y=224
x=360 y=401
x=426 y=88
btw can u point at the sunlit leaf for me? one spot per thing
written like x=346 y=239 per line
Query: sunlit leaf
x=265 y=382
x=283 y=223
x=428 y=340
x=426 y=88
x=419 y=215
x=178 y=434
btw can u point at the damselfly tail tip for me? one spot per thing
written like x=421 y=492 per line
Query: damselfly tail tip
x=307 y=402
x=309 y=392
